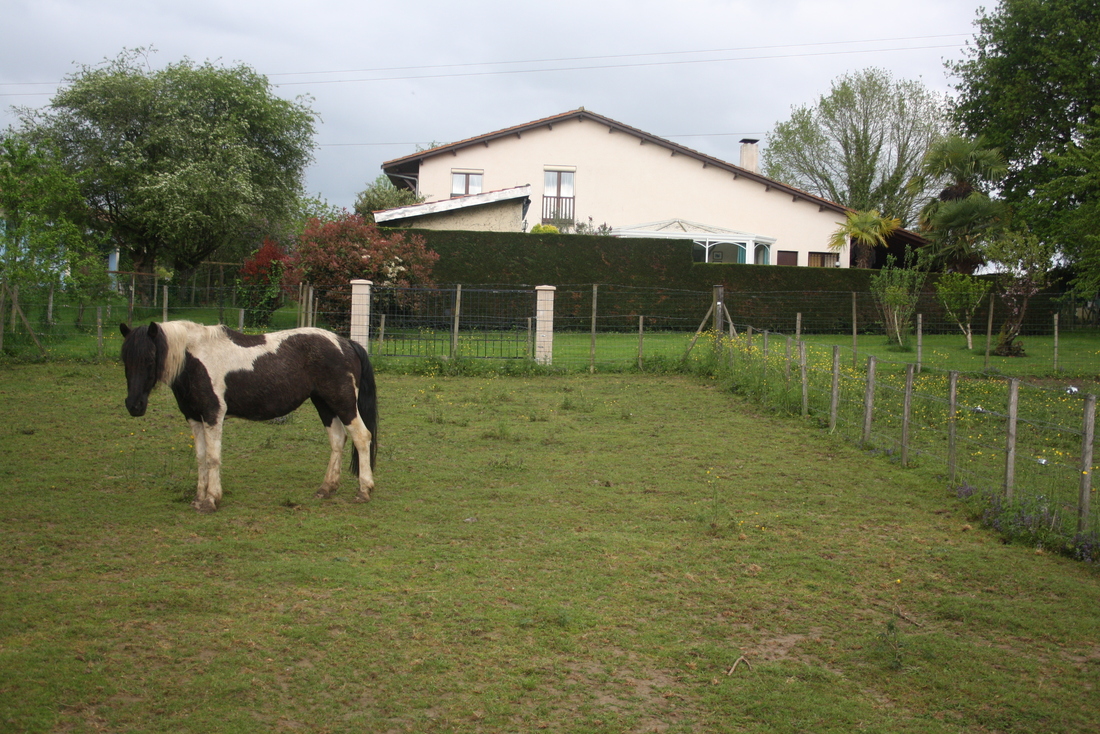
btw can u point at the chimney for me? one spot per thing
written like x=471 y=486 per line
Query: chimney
x=750 y=155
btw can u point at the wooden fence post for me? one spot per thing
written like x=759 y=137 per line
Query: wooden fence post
x=164 y=305
x=855 y=333
x=834 y=392
x=592 y=342
x=455 y=321
x=382 y=331
x=1089 y=435
x=1055 y=342
x=906 y=411
x=989 y=332
x=920 y=340
x=805 y=379
x=641 y=339
x=788 y=361
x=798 y=326
x=99 y=330
x=868 y=400
x=1010 y=435
x=952 y=424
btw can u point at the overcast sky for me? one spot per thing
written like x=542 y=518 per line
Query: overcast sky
x=385 y=76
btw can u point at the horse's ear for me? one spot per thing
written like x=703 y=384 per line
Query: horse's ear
x=124 y=329
x=153 y=330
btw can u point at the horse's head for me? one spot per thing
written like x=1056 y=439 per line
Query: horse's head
x=143 y=353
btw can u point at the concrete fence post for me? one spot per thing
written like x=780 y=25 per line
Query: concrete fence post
x=360 y=312
x=544 y=324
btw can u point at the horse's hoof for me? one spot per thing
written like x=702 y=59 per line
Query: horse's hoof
x=362 y=496
x=324 y=494
x=204 y=506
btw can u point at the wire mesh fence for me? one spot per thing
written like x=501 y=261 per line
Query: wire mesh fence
x=1024 y=444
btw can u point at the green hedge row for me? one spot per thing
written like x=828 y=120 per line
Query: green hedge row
x=768 y=297
x=549 y=259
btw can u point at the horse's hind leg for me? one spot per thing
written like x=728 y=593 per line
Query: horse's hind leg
x=361 y=438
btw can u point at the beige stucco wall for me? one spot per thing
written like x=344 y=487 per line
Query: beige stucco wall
x=502 y=216
x=623 y=182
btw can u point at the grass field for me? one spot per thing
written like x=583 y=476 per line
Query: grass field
x=600 y=553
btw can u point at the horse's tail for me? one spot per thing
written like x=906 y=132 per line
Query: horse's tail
x=368 y=407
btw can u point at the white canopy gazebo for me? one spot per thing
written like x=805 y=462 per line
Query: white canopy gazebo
x=712 y=244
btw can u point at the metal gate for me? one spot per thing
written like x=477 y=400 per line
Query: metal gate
x=475 y=322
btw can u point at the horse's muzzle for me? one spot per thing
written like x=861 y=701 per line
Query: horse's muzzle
x=137 y=407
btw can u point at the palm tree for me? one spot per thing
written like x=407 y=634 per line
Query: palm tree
x=963 y=216
x=865 y=230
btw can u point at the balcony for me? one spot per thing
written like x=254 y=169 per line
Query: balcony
x=557 y=210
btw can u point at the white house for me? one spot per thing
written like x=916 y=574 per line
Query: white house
x=580 y=167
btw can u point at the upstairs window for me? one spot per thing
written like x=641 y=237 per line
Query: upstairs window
x=557 y=196
x=465 y=182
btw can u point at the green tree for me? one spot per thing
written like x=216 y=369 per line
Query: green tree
x=896 y=290
x=961 y=295
x=178 y=162
x=963 y=216
x=1071 y=202
x=1030 y=85
x=382 y=194
x=865 y=230
x=1024 y=261
x=41 y=239
x=861 y=143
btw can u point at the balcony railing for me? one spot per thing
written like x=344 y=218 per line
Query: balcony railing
x=557 y=209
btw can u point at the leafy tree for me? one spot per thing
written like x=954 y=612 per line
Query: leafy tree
x=41 y=239
x=1071 y=201
x=332 y=253
x=961 y=295
x=861 y=143
x=865 y=231
x=178 y=162
x=963 y=216
x=1024 y=260
x=382 y=194
x=897 y=291
x=1030 y=85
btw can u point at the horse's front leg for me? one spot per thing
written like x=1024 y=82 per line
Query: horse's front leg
x=337 y=436
x=198 y=432
x=208 y=450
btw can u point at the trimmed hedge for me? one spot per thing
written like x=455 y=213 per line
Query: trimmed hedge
x=552 y=259
x=768 y=297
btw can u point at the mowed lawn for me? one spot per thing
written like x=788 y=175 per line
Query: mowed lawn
x=609 y=553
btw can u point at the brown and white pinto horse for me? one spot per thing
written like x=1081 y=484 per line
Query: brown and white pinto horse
x=215 y=372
